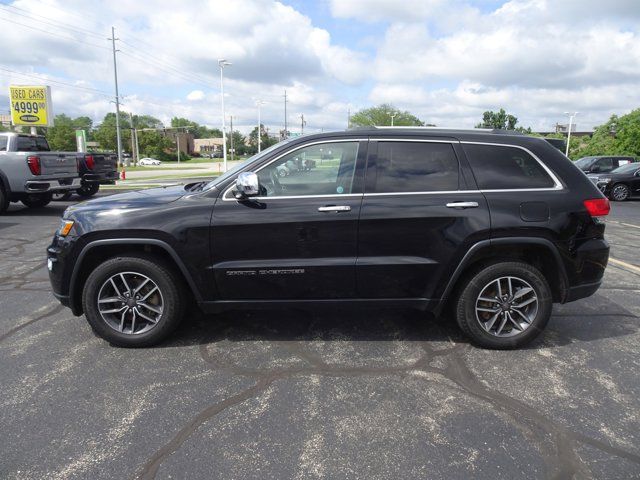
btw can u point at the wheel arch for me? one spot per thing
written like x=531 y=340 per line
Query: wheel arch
x=538 y=252
x=103 y=249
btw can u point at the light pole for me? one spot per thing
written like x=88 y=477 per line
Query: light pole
x=392 y=116
x=571 y=117
x=259 y=104
x=223 y=63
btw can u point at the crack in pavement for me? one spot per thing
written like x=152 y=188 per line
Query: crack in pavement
x=555 y=443
x=57 y=309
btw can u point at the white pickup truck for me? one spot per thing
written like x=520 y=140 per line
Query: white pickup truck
x=30 y=173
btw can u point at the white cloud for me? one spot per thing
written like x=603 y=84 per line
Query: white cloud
x=195 y=95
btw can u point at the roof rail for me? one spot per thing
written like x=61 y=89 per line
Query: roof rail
x=431 y=128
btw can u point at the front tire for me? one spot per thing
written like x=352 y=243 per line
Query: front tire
x=88 y=190
x=504 y=306
x=37 y=200
x=133 y=301
x=620 y=192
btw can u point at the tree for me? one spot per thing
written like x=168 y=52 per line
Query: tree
x=266 y=142
x=198 y=131
x=154 y=144
x=105 y=134
x=500 y=120
x=381 y=116
x=238 y=143
x=62 y=136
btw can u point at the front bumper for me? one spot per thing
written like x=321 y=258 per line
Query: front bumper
x=52 y=185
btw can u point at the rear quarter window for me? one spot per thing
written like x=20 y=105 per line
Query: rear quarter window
x=500 y=168
x=3 y=144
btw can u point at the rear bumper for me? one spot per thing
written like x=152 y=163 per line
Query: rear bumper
x=582 y=291
x=104 y=178
x=591 y=260
x=52 y=185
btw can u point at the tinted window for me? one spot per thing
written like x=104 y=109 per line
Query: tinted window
x=321 y=169
x=584 y=162
x=415 y=167
x=627 y=168
x=498 y=167
x=603 y=165
x=3 y=143
x=32 y=144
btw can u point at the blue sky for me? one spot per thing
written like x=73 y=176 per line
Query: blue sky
x=446 y=61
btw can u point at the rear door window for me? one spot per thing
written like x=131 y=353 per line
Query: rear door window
x=503 y=168
x=404 y=167
x=603 y=165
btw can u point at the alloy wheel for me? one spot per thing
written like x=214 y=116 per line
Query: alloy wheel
x=130 y=303
x=506 y=306
x=620 y=192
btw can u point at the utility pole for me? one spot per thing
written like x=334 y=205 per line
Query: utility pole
x=178 y=144
x=223 y=63
x=232 y=149
x=349 y=118
x=286 y=134
x=571 y=117
x=302 y=124
x=134 y=142
x=259 y=103
x=115 y=76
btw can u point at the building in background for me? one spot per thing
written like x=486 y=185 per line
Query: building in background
x=206 y=146
x=5 y=120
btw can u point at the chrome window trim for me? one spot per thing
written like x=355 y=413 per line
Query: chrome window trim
x=318 y=142
x=438 y=192
x=556 y=181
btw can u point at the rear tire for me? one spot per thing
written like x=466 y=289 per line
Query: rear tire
x=4 y=200
x=37 y=200
x=88 y=190
x=620 y=192
x=504 y=306
x=142 y=301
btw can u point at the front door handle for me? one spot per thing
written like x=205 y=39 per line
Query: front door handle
x=335 y=208
x=462 y=205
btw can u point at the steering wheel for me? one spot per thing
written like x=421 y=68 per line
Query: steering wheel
x=275 y=182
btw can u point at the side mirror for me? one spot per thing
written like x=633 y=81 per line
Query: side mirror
x=247 y=185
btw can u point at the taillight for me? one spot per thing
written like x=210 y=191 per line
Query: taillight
x=34 y=165
x=597 y=207
x=90 y=162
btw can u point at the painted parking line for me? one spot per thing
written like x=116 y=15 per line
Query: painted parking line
x=620 y=263
x=625 y=224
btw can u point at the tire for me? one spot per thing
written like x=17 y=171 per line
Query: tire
x=37 y=200
x=88 y=190
x=620 y=192
x=501 y=317
x=4 y=200
x=62 y=196
x=122 y=328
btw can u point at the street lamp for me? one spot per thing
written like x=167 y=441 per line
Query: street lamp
x=392 y=116
x=259 y=103
x=223 y=63
x=571 y=117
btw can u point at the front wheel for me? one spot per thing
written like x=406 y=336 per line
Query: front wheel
x=620 y=192
x=37 y=200
x=504 y=306
x=133 y=301
x=88 y=190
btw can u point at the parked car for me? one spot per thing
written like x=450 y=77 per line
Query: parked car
x=620 y=184
x=602 y=164
x=30 y=172
x=149 y=161
x=95 y=169
x=494 y=228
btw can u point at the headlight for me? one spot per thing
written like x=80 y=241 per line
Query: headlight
x=65 y=227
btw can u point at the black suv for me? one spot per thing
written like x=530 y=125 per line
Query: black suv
x=495 y=226
x=602 y=164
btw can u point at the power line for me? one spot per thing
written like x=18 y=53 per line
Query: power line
x=50 y=80
x=66 y=37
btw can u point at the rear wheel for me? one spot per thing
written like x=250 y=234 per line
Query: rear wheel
x=133 y=301
x=37 y=200
x=504 y=306
x=88 y=190
x=620 y=192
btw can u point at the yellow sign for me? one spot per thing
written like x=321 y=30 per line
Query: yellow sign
x=31 y=105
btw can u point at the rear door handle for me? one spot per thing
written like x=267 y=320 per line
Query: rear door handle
x=462 y=205
x=335 y=208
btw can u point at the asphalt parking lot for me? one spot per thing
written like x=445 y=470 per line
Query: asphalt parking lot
x=304 y=394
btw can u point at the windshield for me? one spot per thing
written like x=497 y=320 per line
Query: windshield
x=584 y=162
x=628 y=168
x=241 y=165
